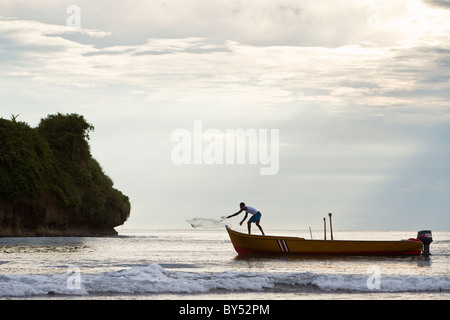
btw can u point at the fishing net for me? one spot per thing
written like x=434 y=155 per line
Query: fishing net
x=207 y=223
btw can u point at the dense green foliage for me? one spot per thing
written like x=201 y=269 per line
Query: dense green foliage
x=52 y=165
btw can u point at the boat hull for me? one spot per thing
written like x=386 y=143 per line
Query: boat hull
x=246 y=244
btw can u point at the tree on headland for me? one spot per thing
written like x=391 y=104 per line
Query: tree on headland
x=51 y=184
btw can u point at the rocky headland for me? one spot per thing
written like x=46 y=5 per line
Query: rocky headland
x=50 y=185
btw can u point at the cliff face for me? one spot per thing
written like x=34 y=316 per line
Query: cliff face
x=49 y=183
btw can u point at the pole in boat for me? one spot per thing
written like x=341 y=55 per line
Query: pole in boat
x=310 y=232
x=331 y=227
x=324 y=229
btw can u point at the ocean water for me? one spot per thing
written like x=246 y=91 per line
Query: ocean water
x=195 y=264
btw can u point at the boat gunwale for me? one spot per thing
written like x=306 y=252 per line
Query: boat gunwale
x=270 y=237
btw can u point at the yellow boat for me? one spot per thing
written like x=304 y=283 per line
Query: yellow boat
x=246 y=244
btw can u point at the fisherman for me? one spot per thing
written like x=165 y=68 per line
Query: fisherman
x=255 y=216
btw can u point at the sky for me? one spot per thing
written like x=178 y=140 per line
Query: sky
x=357 y=90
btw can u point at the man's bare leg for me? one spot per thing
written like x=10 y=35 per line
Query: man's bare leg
x=260 y=228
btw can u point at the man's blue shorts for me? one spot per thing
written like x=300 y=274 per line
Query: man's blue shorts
x=256 y=217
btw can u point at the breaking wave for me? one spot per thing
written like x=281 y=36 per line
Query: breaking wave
x=156 y=279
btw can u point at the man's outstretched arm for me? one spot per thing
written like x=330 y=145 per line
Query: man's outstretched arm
x=235 y=214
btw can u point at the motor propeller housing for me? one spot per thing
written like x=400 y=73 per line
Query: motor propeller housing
x=426 y=238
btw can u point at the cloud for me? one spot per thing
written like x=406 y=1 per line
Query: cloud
x=348 y=97
x=403 y=82
x=256 y=22
x=440 y=3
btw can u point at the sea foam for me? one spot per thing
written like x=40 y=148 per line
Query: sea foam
x=154 y=278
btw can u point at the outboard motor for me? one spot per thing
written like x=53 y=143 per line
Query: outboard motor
x=426 y=238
